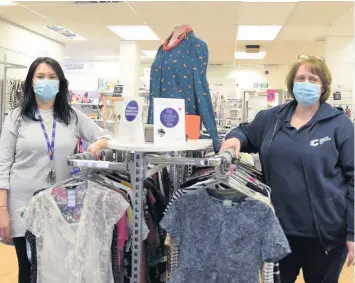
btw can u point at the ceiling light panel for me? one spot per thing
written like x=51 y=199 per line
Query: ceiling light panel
x=134 y=32
x=258 y=32
x=7 y=3
x=249 y=56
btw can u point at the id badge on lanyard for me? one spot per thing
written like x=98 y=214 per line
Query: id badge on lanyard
x=51 y=177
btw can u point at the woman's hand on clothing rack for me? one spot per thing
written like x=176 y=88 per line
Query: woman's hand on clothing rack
x=5 y=224
x=96 y=147
x=232 y=143
x=95 y=150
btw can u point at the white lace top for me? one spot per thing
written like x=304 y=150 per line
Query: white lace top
x=80 y=255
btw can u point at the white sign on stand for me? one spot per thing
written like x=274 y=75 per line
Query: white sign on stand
x=169 y=121
x=131 y=125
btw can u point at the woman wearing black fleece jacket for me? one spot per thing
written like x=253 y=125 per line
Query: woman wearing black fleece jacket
x=306 y=150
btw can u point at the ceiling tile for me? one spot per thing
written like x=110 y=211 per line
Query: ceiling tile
x=23 y=16
x=216 y=33
x=318 y=13
x=112 y=14
x=298 y=32
x=276 y=52
x=342 y=26
x=315 y=48
x=214 y=22
x=156 y=13
x=265 y=13
x=187 y=12
x=213 y=12
x=41 y=3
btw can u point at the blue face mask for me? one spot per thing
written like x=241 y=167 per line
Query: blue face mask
x=46 y=90
x=306 y=93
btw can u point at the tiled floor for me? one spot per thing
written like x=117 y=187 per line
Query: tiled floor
x=8 y=267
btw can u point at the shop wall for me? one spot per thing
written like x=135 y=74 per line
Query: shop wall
x=243 y=78
x=85 y=75
x=21 y=46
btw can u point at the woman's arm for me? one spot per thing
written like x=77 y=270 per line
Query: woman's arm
x=345 y=141
x=8 y=140
x=248 y=136
x=7 y=155
x=91 y=132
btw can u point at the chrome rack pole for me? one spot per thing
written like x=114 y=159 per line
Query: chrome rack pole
x=210 y=161
x=99 y=164
x=137 y=176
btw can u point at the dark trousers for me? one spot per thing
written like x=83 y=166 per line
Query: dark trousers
x=24 y=265
x=309 y=255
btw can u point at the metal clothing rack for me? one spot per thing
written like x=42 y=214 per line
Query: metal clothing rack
x=137 y=167
x=4 y=67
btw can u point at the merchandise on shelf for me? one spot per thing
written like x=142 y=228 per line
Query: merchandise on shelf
x=13 y=94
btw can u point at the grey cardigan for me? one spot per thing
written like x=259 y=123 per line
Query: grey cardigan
x=24 y=162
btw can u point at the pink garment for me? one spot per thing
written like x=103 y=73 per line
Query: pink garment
x=252 y=179
x=122 y=236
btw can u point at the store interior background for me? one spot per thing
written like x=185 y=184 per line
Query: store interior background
x=318 y=28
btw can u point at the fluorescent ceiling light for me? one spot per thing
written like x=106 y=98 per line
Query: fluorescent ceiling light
x=134 y=32
x=258 y=32
x=108 y=57
x=249 y=56
x=7 y=3
x=66 y=57
x=150 y=53
x=65 y=32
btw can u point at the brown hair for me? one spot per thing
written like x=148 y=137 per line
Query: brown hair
x=317 y=67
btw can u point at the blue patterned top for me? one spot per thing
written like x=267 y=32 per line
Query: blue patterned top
x=181 y=73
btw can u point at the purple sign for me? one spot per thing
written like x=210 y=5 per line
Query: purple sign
x=131 y=111
x=169 y=117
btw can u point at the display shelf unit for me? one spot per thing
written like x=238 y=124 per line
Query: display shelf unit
x=110 y=108
x=137 y=166
x=5 y=67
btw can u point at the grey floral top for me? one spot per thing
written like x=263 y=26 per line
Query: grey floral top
x=224 y=244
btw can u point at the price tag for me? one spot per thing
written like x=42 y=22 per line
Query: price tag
x=227 y=203
x=71 y=201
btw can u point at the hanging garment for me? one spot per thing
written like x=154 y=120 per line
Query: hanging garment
x=75 y=255
x=182 y=73
x=31 y=240
x=240 y=237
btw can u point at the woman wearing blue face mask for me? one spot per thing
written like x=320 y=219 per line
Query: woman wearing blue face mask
x=306 y=149
x=35 y=140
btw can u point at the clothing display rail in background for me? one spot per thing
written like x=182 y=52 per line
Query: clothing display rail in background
x=7 y=86
x=138 y=168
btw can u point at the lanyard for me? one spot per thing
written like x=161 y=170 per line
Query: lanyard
x=50 y=145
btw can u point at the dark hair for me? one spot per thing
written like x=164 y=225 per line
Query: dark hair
x=62 y=108
x=317 y=67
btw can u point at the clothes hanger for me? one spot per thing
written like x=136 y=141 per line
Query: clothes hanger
x=236 y=185
x=106 y=182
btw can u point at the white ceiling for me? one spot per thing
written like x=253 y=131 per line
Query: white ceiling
x=305 y=25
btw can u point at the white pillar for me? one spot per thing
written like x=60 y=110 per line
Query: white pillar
x=129 y=66
x=339 y=56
